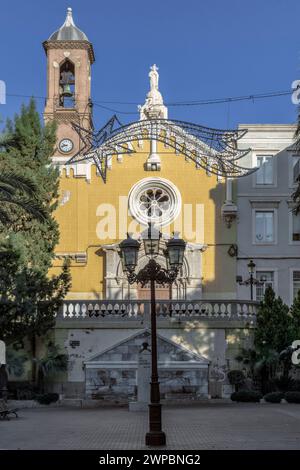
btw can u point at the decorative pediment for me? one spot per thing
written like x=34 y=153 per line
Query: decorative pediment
x=127 y=351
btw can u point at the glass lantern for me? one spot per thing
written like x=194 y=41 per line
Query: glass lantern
x=129 y=249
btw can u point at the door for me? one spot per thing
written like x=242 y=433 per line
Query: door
x=161 y=292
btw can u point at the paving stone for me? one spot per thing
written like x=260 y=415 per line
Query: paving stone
x=193 y=427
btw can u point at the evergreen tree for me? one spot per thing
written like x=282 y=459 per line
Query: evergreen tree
x=272 y=335
x=26 y=151
x=273 y=326
x=295 y=314
x=29 y=299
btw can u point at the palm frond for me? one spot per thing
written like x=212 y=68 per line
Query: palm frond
x=29 y=206
x=18 y=182
x=7 y=189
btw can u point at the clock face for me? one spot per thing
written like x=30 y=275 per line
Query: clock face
x=66 y=145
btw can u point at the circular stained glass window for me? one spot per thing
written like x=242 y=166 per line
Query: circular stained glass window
x=154 y=200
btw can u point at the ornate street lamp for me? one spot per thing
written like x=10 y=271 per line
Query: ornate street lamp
x=153 y=273
x=251 y=281
x=251 y=267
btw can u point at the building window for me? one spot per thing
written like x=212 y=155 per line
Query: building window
x=295 y=227
x=265 y=174
x=296 y=283
x=267 y=277
x=264 y=227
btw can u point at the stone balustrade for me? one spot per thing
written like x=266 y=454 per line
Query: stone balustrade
x=130 y=310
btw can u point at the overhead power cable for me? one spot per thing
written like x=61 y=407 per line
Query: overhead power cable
x=203 y=102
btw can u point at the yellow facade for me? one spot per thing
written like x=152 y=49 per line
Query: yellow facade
x=80 y=216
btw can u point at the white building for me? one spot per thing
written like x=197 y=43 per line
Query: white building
x=268 y=232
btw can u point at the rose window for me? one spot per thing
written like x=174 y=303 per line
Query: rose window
x=154 y=203
x=154 y=200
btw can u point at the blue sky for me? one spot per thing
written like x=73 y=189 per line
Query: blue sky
x=204 y=49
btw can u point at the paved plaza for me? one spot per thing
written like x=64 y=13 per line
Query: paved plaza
x=208 y=426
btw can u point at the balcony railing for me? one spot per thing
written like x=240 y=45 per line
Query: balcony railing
x=130 y=310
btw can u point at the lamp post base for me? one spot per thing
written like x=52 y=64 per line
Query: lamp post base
x=155 y=438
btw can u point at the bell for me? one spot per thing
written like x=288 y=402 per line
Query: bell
x=67 y=93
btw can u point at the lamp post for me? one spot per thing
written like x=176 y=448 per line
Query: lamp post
x=252 y=281
x=153 y=272
x=251 y=267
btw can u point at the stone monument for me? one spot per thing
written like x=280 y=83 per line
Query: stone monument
x=3 y=373
x=143 y=380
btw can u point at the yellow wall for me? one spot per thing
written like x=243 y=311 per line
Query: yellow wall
x=77 y=218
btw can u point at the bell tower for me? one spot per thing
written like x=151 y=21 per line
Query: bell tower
x=69 y=59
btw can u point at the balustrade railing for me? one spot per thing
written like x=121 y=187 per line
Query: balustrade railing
x=108 y=310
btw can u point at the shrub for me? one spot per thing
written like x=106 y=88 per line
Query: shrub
x=22 y=390
x=236 y=378
x=284 y=383
x=246 y=396
x=292 y=397
x=47 y=398
x=274 y=397
x=295 y=386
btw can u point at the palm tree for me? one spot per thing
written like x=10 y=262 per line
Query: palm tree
x=18 y=191
x=16 y=363
x=53 y=362
x=262 y=364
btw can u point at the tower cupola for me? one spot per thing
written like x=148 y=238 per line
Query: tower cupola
x=68 y=31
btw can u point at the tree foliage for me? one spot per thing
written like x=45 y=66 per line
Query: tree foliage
x=16 y=191
x=53 y=361
x=29 y=298
x=295 y=314
x=273 y=327
x=26 y=152
x=277 y=327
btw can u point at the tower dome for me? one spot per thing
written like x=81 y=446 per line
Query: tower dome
x=68 y=31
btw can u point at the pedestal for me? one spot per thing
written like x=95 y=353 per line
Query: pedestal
x=3 y=372
x=143 y=380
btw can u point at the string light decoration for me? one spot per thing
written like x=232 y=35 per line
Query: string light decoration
x=214 y=150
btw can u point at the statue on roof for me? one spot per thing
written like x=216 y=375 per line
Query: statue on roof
x=153 y=75
x=154 y=107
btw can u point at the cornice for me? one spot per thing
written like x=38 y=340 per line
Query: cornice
x=71 y=45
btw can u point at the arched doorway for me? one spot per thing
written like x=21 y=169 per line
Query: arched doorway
x=161 y=292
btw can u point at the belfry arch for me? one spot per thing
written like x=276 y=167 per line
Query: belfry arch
x=67 y=84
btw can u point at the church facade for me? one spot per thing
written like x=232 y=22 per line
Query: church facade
x=104 y=320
